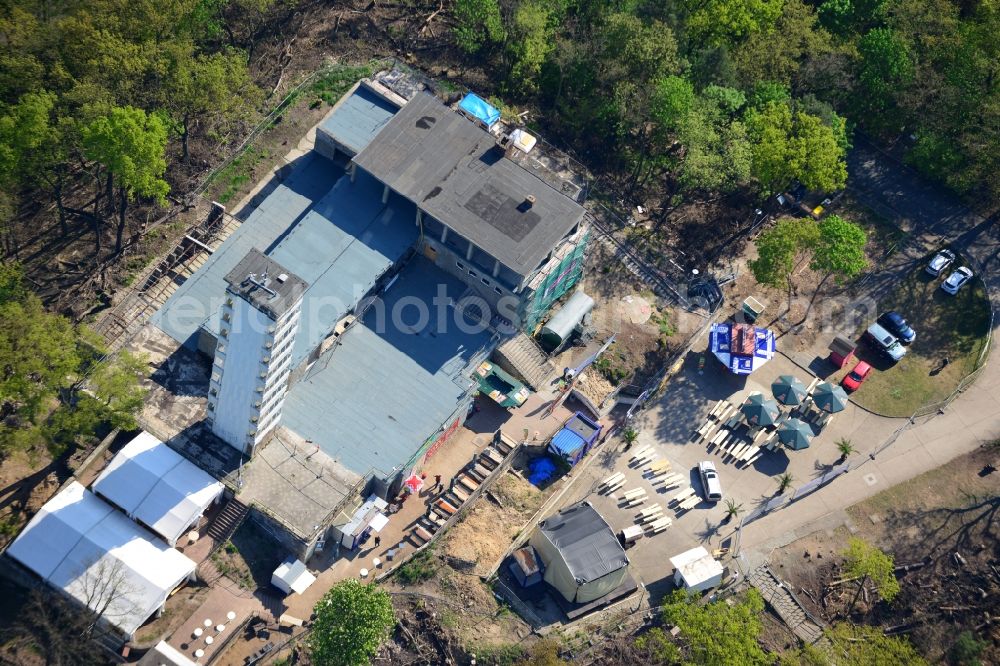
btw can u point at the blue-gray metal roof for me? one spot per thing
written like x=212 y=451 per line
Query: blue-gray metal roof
x=201 y=295
x=372 y=401
x=358 y=118
x=339 y=244
x=341 y=247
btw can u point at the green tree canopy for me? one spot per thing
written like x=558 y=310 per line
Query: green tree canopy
x=718 y=633
x=885 y=67
x=352 y=620
x=777 y=250
x=477 y=24
x=795 y=145
x=532 y=33
x=718 y=22
x=856 y=646
x=840 y=248
x=864 y=561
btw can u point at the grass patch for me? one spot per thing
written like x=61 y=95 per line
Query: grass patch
x=229 y=182
x=952 y=327
x=500 y=654
x=421 y=567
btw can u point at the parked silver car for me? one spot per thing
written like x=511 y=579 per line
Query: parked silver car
x=956 y=280
x=710 y=481
x=940 y=263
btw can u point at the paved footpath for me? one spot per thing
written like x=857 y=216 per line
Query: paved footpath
x=971 y=419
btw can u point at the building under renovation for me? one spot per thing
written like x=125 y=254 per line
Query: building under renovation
x=349 y=311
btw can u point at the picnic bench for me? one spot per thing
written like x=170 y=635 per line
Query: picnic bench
x=752 y=460
x=671 y=480
x=689 y=503
x=718 y=408
x=635 y=492
x=659 y=524
x=613 y=479
x=660 y=465
x=640 y=453
x=749 y=453
x=650 y=513
x=682 y=495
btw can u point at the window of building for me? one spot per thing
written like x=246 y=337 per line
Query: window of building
x=485 y=281
x=460 y=265
x=498 y=290
x=473 y=273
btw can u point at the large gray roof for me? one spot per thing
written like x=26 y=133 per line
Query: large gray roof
x=371 y=401
x=453 y=170
x=585 y=541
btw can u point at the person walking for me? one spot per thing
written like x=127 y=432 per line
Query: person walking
x=437 y=481
x=378 y=541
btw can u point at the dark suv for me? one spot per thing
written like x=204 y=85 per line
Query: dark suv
x=895 y=324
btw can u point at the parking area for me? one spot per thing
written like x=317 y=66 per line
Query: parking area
x=664 y=480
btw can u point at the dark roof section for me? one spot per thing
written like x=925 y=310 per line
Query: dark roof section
x=271 y=289
x=586 y=542
x=454 y=171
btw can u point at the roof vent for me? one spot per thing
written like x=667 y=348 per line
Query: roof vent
x=282 y=277
x=262 y=282
x=528 y=202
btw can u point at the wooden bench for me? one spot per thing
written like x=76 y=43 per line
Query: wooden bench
x=752 y=460
x=445 y=506
x=672 y=480
x=460 y=494
x=635 y=492
x=612 y=480
x=749 y=453
x=492 y=454
x=617 y=485
x=422 y=534
x=659 y=524
x=636 y=501
x=689 y=503
x=651 y=512
x=660 y=465
x=468 y=482
x=682 y=495
x=718 y=407
x=640 y=453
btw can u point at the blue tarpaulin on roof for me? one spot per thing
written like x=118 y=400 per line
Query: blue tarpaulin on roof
x=476 y=106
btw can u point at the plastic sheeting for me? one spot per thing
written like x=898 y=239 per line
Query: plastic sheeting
x=154 y=484
x=477 y=107
x=583 y=559
x=80 y=544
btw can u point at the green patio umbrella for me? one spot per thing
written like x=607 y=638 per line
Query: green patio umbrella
x=788 y=390
x=795 y=434
x=830 y=398
x=760 y=411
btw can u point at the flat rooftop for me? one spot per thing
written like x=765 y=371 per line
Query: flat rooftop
x=373 y=400
x=265 y=284
x=335 y=235
x=358 y=118
x=452 y=169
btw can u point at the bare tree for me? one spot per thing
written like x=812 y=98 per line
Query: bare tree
x=106 y=591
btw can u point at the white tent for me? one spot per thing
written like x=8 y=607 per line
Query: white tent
x=83 y=546
x=155 y=485
x=696 y=570
x=292 y=576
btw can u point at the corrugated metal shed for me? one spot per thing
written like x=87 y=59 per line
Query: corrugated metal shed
x=356 y=120
x=372 y=401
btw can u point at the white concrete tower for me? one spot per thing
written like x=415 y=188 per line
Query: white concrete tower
x=259 y=320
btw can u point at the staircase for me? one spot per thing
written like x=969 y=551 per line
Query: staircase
x=789 y=609
x=522 y=357
x=228 y=521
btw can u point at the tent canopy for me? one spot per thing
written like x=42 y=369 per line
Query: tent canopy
x=697 y=568
x=741 y=347
x=795 y=434
x=760 y=411
x=292 y=576
x=788 y=390
x=80 y=544
x=155 y=485
x=830 y=397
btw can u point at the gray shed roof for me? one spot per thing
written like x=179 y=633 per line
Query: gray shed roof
x=453 y=170
x=585 y=541
x=265 y=284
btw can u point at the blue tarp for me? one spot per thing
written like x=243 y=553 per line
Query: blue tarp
x=477 y=107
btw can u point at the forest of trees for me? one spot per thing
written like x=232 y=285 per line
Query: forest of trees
x=715 y=95
x=97 y=95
